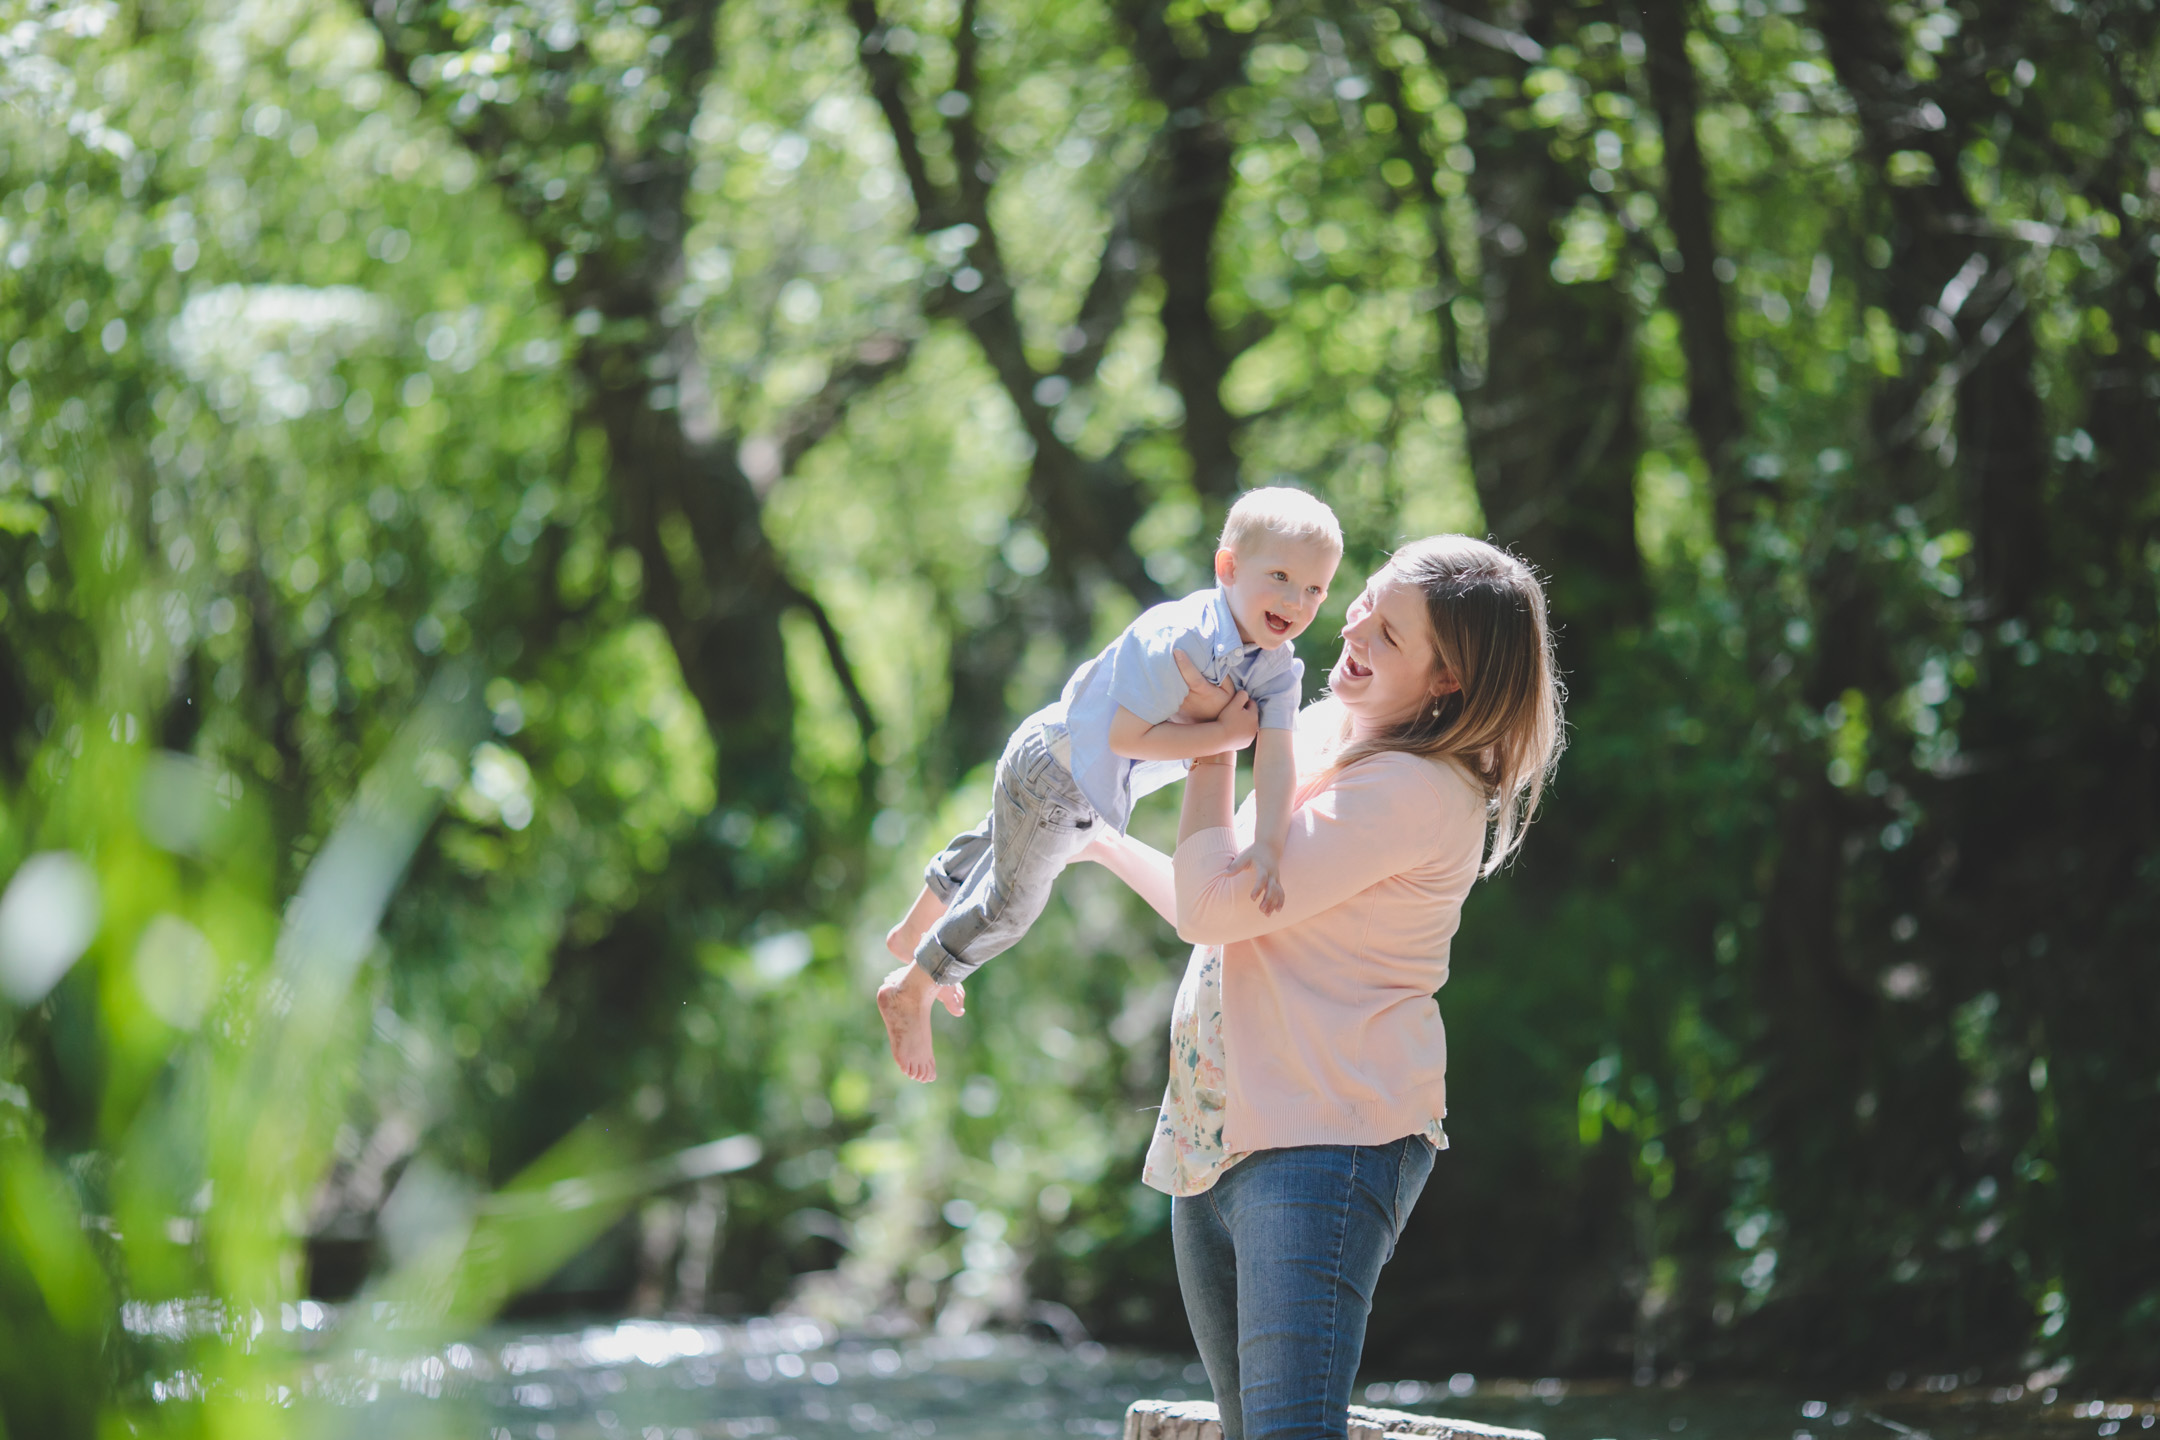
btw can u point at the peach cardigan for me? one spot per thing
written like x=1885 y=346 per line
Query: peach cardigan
x=1331 y=1035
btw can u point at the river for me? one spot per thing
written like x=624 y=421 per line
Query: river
x=793 y=1379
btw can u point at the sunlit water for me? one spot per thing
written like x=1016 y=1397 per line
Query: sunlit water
x=783 y=1379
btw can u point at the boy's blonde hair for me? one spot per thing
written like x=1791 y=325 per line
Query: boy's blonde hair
x=1504 y=724
x=1283 y=512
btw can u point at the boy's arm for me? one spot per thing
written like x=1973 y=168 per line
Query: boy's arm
x=1274 y=782
x=1135 y=739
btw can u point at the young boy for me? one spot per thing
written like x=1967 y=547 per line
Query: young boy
x=1113 y=736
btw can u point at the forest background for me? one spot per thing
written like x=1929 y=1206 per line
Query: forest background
x=523 y=524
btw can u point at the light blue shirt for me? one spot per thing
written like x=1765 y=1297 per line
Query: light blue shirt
x=1139 y=672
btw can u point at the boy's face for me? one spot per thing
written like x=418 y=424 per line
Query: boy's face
x=1277 y=587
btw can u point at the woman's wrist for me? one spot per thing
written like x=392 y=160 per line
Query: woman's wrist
x=1220 y=757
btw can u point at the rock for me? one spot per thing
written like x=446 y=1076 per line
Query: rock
x=1173 y=1420
x=1367 y=1423
x=1198 y=1420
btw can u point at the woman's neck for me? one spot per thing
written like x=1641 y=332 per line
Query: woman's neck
x=1358 y=730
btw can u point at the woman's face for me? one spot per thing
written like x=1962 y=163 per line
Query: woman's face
x=1387 y=672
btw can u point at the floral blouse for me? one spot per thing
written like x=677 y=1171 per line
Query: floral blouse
x=1186 y=1156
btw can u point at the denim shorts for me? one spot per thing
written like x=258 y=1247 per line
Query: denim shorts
x=995 y=879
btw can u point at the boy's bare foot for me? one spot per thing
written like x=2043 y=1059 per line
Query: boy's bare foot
x=903 y=1001
x=901 y=941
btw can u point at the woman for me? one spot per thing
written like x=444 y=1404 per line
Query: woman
x=1308 y=1063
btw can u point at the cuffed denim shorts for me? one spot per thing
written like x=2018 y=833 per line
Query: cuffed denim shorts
x=996 y=878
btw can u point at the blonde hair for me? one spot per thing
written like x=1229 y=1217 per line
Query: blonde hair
x=1282 y=512
x=1503 y=725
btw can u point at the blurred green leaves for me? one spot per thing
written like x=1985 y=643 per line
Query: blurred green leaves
x=520 y=524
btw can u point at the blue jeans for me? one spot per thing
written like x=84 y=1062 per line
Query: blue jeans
x=995 y=880
x=1277 y=1264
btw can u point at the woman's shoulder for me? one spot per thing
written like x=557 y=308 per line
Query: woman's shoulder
x=1413 y=799
x=1417 y=777
x=1389 y=779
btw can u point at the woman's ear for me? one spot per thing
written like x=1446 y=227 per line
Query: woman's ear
x=1445 y=683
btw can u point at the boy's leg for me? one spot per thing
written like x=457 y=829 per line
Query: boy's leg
x=944 y=877
x=1033 y=835
x=1038 y=822
x=902 y=939
x=904 y=996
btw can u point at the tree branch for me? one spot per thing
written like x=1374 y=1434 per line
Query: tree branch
x=1109 y=293
x=970 y=155
x=1483 y=32
x=888 y=86
x=874 y=361
x=1087 y=508
x=1181 y=224
x=843 y=671
x=1195 y=360
x=2000 y=429
x=1714 y=409
x=1424 y=177
x=719 y=600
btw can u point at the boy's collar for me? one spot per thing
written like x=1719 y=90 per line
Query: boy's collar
x=1225 y=635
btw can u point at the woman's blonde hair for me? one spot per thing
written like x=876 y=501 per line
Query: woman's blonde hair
x=1503 y=725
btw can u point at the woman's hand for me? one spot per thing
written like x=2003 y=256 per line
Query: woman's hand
x=1240 y=720
x=1203 y=702
x=1097 y=850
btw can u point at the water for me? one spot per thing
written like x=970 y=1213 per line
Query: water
x=1938 y=1409
x=789 y=1379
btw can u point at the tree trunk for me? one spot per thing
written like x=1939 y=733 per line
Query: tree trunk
x=720 y=601
x=1550 y=415
x=2059 y=815
x=1185 y=207
x=1695 y=293
x=1085 y=507
x=1949 y=281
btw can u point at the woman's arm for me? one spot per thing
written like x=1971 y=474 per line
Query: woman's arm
x=1210 y=791
x=1375 y=820
x=1140 y=865
x=1137 y=863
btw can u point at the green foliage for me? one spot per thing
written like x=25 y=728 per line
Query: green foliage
x=630 y=465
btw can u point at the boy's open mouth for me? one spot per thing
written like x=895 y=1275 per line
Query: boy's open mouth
x=1277 y=624
x=1350 y=666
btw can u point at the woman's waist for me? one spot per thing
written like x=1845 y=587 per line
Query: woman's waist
x=1263 y=1113
x=1373 y=1039
x=1340 y=963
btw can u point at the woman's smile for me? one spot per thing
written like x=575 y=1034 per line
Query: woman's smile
x=1386 y=671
